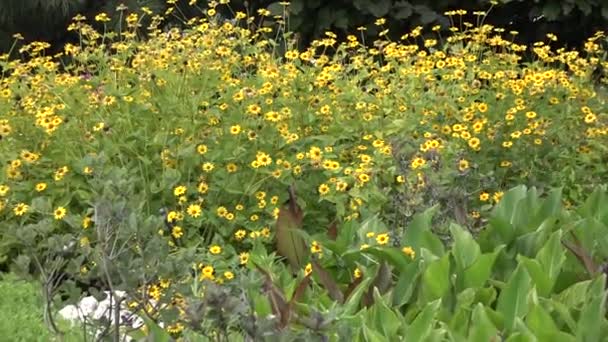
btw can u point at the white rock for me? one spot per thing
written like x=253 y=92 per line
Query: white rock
x=88 y=305
x=70 y=313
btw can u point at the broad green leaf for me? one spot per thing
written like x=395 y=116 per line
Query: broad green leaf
x=408 y=278
x=372 y=335
x=551 y=257
x=575 y=295
x=465 y=249
x=540 y=322
x=419 y=235
x=536 y=271
x=483 y=329
x=593 y=314
x=390 y=254
x=513 y=299
x=351 y=304
x=435 y=280
x=386 y=319
x=480 y=271
x=423 y=323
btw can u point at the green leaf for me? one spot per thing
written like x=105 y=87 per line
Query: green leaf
x=483 y=329
x=480 y=271
x=157 y=334
x=419 y=235
x=535 y=270
x=513 y=299
x=540 y=322
x=404 y=289
x=575 y=295
x=551 y=258
x=386 y=319
x=378 y=8
x=589 y=325
x=435 y=280
x=372 y=335
x=390 y=254
x=465 y=248
x=423 y=323
x=352 y=302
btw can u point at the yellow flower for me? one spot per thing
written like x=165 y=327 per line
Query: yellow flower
x=201 y=149
x=215 y=249
x=194 y=210
x=323 y=189
x=20 y=209
x=382 y=239
x=236 y=129
x=240 y=234
x=59 y=213
x=308 y=269
x=84 y=241
x=40 y=187
x=409 y=251
x=177 y=232
x=4 y=190
x=463 y=165
x=357 y=273
x=497 y=196
x=179 y=191
x=315 y=247
x=207 y=272
x=243 y=258
x=474 y=143
x=590 y=118
x=228 y=275
x=484 y=196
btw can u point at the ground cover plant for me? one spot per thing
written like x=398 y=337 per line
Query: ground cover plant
x=181 y=167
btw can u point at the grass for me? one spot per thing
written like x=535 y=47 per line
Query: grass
x=21 y=317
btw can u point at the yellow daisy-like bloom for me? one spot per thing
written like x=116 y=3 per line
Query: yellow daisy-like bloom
x=177 y=232
x=236 y=129
x=497 y=196
x=194 y=210
x=179 y=191
x=215 y=249
x=20 y=209
x=228 y=275
x=382 y=239
x=357 y=273
x=323 y=189
x=240 y=234
x=59 y=213
x=207 y=272
x=484 y=196
x=474 y=143
x=86 y=222
x=4 y=190
x=463 y=165
x=417 y=162
x=40 y=187
x=409 y=251
x=201 y=149
x=308 y=269
x=315 y=247
x=243 y=258
x=590 y=118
